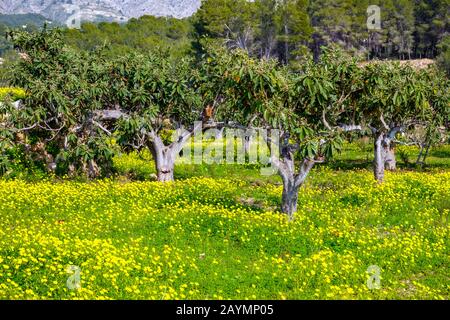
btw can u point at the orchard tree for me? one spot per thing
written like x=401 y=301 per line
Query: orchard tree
x=395 y=99
x=56 y=122
x=158 y=98
x=77 y=103
x=264 y=95
x=323 y=97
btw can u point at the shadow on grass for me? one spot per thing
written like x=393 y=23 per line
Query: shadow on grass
x=441 y=153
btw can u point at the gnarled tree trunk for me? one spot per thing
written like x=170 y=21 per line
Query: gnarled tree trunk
x=378 y=165
x=384 y=152
x=165 y=165
x=165 y=156
x=389 y=162
x=292 y=181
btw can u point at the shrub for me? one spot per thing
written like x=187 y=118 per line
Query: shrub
x=402 y=152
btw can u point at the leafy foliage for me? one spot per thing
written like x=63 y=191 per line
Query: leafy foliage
x=55 y=117
x=145 y=34
x=68 y=93
x=404 y=96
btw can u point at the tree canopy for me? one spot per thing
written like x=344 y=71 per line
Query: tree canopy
x=81 y=107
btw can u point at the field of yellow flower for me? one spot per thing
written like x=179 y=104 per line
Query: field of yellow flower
x=204 y=238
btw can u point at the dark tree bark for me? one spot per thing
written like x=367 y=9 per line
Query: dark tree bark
x=289 y=199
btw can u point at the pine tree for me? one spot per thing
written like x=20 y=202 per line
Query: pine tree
x=233 y=20
x=294 y=29
x=397 y=28
x=268 y=27
x=342 y=22
x=432 y=22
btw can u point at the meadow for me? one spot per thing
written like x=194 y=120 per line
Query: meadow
x=216 y=233
x=94 y=206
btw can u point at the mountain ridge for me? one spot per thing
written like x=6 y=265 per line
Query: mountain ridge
x=105 y=10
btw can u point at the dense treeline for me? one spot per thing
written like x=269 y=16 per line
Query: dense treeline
x=288 y=30
x=409 y=29
x=148 y=33
x=18 y=20
x=145 y=34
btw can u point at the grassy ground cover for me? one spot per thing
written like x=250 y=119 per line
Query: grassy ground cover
x=217 y=233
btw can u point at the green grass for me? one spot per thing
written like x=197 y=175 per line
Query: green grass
x=359 y=155
x=355 y=156
x=221 y=236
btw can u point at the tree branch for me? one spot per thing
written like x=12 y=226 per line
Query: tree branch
x=383 y=122
x=324 y=120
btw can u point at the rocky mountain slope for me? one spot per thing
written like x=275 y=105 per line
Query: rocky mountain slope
x=93 y=10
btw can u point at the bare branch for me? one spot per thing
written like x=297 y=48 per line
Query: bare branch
x=325 y=122
x=384 y=122
x=102 y=127
x=350 y=127
x=108 y=115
